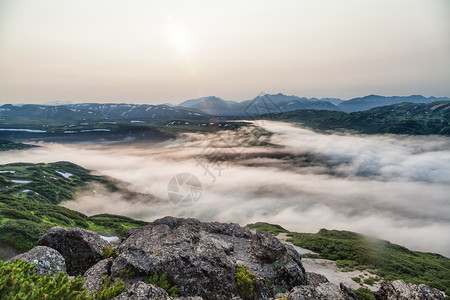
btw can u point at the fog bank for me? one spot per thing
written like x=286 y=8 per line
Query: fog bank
x=392 y=187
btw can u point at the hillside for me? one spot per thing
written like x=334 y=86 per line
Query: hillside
x=29 y=194
x=355 y=251
x=403 y=118
x=23 y=129
x=45 y=183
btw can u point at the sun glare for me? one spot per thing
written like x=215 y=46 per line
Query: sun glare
x=179 y=37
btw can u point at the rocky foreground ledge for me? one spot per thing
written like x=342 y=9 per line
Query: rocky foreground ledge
x=201 y=259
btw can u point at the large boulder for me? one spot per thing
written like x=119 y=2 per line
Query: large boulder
x=46 y=260
x=400 y=290
x=81 y=248
x=93 y=277
x=202 y=258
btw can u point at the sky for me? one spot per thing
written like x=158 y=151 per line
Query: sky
x=169 y=51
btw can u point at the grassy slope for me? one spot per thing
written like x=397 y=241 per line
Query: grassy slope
x=42 y=182
x=26 y=215
x=355 y=251
x=403 y=118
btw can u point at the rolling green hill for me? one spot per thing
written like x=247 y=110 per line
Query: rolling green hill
x=29 y=194
x=45 y=183
x=403 y=118
x=355 y=251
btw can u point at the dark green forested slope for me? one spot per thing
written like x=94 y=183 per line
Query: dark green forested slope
x=403 y=118
x=8 y=145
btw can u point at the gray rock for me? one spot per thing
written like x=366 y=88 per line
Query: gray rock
x=230 y=229
x=81 y=248
x=46 y=260
x=201 y=258
x=315 y=279
x=143 y=291
x=348 y=293
x=400 y=290
x=93 y=276
x=266 y=247
x=318 y=289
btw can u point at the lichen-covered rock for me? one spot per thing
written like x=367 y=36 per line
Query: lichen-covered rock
x=266 y=248
x=141 y=291
x=315 y=279
x=93 y=276
x=46 y=260
x=400 y=290
x=201 y=258
x=318 y=288
x=348 y=293
x=81 y=248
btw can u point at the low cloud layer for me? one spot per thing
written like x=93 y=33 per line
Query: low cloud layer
x=392 y=187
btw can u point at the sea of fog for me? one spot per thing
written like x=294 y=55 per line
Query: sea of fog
x=392 y=187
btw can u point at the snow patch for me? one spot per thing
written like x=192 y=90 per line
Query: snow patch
x=65 y=175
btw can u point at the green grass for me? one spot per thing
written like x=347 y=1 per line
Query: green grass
x=266 y=227
x=389 y=261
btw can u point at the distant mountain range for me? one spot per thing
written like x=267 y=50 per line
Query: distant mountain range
x=96 y=111
x=259 y=105
x=277 y=103
x=206 y=107
x=371 y=101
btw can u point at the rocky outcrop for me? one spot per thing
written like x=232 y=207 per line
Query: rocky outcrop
x=81 y=248
x=46 y=260
x=93 y=276
x=400 y=290
x=201 y=259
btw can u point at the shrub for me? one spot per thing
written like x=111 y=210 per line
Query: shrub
x=16 y=282
x=109 y=290
x=126 y=273
x=364 y=294
x=161 y=281
x=109 y=252
x=245 y=281
x=369 y=281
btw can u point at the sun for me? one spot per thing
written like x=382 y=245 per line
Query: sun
x=179 y=37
